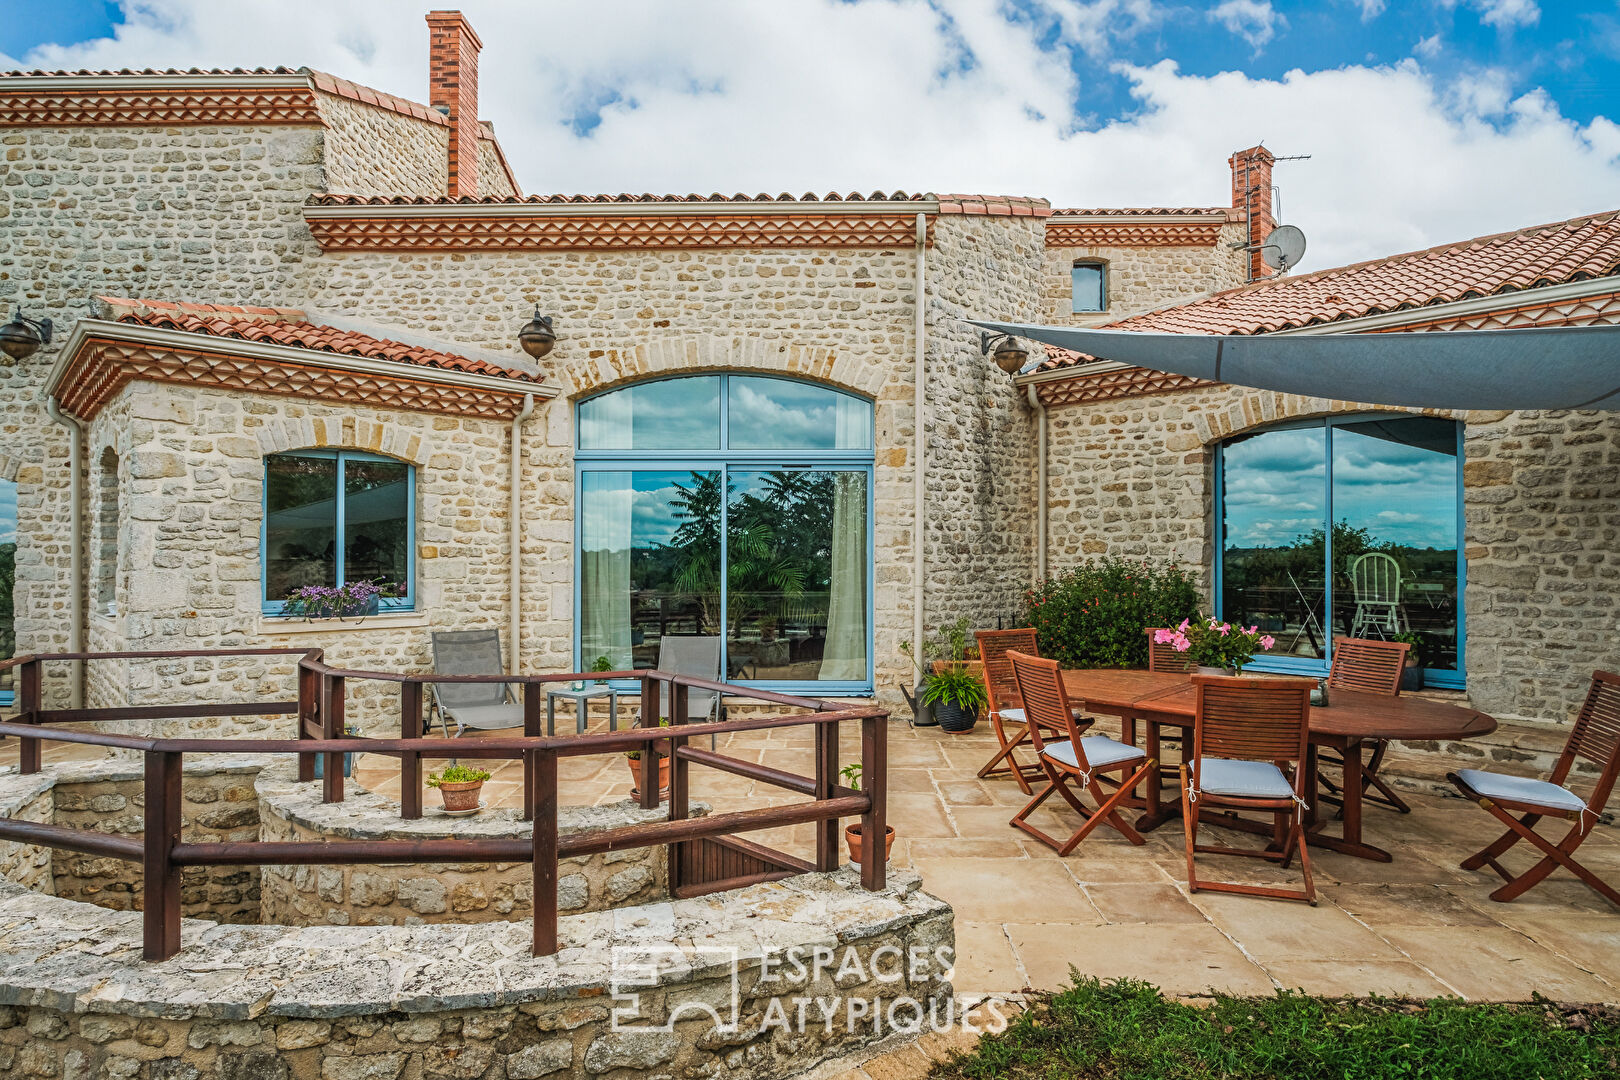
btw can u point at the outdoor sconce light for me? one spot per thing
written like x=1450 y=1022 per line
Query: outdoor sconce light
x=21 y=337
x=537 y=337
x=1004 y=349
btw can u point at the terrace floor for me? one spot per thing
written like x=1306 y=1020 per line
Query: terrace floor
x=1416 y=926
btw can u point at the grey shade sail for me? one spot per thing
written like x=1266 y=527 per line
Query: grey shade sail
x=1555 y=367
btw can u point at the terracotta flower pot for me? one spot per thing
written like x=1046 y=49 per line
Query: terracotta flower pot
x=635 y=776
x=462 y=796
x=852 y=837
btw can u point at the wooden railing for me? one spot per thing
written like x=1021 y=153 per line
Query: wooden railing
x=319 y=708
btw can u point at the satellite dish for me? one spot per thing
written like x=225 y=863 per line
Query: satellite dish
x=1289 y=244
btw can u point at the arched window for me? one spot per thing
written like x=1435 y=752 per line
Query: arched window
x=105 y=598
x=1344 y=527
x=731 y=506
x=8 y=582
x=1088 y=281
x=338 y=516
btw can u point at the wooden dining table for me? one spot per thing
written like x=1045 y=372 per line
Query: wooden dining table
x=1156 y=700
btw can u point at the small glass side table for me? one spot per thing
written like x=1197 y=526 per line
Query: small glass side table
x=581 y=694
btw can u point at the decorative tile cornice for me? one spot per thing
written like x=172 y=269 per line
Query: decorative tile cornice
x=611 y=227
x=101 y=358
x=1117 y=383
x=1121 y=228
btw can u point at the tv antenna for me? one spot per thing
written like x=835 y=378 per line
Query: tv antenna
x=1287 y=242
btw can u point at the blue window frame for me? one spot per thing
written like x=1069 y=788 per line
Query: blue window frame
x=1088 y=287
x=333 y=516
x=1348 y=526
x=736 y=505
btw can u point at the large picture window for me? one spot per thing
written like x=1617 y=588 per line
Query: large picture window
x=335 y=516
x=732 y=506
x=1345 y=527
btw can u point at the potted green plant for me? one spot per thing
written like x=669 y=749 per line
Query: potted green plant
x=602 y=663
x=952 y=680
x=1218 y=648
x=1412 y=674
x=351 y=600
x=634 y=758
x=459 y=786
x=852 y=833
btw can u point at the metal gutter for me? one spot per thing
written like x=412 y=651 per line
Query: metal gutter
x=136 y=334
x=514 y=646
x=919 y=452
x=1040 y=481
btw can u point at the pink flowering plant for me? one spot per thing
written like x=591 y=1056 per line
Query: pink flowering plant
x=1212 y=643
x=349 y=600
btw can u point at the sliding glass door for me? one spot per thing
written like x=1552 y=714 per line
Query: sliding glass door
x=1345 y=527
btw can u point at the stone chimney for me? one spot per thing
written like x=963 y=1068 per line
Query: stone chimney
x=453 y=90
x=1251 y=192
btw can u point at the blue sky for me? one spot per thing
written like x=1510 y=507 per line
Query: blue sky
x=1426 y=120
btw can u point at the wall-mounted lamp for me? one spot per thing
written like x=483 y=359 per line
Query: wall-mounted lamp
x=1004 y=349
x=21 y=337
x=537 y=337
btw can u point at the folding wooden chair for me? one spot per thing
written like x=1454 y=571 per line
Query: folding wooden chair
x=1006 y=707
x=1372 y=667
x=1162 y=656
x=1040 y=687
x=1595 y=738
x=1244 y=732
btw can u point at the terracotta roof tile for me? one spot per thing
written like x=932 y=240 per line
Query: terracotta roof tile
x=288 y=326
x=86 y=73
x=1542 y=255
x=1141 y=211
x=1001 y=205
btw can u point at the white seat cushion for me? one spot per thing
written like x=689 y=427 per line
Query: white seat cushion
x=1520 y=789
x=1100 y=751
x=1019 y=716
x=1244 y=779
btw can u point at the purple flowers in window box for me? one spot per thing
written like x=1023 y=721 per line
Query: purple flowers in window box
x=352 y=599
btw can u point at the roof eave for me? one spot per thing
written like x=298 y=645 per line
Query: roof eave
x=615 y=209
x=185 y=81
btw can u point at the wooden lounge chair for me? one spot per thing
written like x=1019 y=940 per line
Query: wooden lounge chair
x=1040 y=686
x=1006 y=707
x=1595 y=738
x=483 y=706
x=1245 y=731
x=1372 y=667
x=1162 y=656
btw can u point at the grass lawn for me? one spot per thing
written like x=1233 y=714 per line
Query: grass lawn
x=1127 y=1030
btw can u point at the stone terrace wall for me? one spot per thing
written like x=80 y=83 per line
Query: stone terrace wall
x=209 y=214
x=1541 y=495
x=1141 y=278
x=27 y=799
x=834 y=316
x=443 y=1002
x=374 y=151
x=404 y=893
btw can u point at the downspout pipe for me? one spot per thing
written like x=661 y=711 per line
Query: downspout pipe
x=514 y=650
x=75 y=545
x=1040 y=481
x=919 y=452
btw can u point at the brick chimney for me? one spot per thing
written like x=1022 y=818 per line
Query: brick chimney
x=1251 y=191
x=453 y=90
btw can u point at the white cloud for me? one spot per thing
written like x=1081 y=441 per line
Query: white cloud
x=1428 y=47
x=1253 y=20
x=1370 y=9
x=1508 y=13
x=812 y=95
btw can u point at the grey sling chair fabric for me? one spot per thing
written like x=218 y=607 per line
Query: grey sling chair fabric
x=483 y=706
x=697 y=655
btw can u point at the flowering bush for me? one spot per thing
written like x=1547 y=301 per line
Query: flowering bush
x=1213 y=643
x=1094 y=614
x=350 y=599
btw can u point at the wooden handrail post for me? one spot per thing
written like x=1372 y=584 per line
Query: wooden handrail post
x=410 y=766
x=160 y=938
x=678 y=787
x=332 y=728
x=309 y=714
x=542 y=764
x=532 y=694
x=651 y=706
x=826 y=778
x=874 y=781
x=30 y=689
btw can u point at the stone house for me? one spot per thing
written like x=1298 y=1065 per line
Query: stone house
x=286 y=311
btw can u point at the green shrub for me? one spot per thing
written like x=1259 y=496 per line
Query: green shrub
x=1093 y=615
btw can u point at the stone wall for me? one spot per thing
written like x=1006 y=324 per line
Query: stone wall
x=492 y=179
x=1541 y=496
x=405 y=893
x=26 y=799
x=445 y=1002
x=376 y=151
x=1142 y=278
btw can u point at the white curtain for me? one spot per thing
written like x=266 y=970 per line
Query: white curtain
x=606 y=501
x=844 y=657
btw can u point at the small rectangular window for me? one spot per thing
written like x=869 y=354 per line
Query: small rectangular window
x=336 y=517
x=1090 y=287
